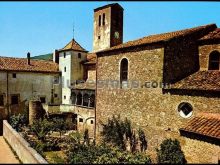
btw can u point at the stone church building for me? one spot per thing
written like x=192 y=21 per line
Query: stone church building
x=168 y=84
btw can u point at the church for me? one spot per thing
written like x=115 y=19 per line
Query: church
x=168 y=84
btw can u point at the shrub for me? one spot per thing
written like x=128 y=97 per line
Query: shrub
x=82 y=154
x=170 y=152
x=118 y=132
x=41 y=128
x=18 y=121
x=59 y=125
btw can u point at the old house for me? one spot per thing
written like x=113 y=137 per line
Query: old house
x=22 y=79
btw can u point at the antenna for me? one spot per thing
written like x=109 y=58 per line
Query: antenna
x=73 y=29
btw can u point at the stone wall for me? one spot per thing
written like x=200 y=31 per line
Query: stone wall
x=84 y=117
x=204 y=52
x=150 y=108
x=22 y=148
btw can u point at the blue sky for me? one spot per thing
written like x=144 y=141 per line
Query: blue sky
x=41 y=27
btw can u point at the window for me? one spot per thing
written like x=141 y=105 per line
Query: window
x=14 y=99
x=56 y=80
x=64 y=69
x=85 y=100
x=92 y=100
x=99 y=37
x=14 y=75
x=80 y=120
x=91 y=121
x=79 y=55
x=103 y=19
x=64 y=54
x=124 y=71
x=1 y=100
x=64 y=97
x=43 y=100
x=214 y=58
x=73 y=98
x=55 y=95
x=185 y=109
x=79 y=99
x=99 y=20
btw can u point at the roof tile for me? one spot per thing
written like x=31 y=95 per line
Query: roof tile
x=20 y=64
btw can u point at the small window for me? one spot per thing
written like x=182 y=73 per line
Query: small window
x=124 y=72
x=91 y=121
x=80 y=120
x=99 y=37
x=56 y=80
x=43 y=100
x=99 y=20
x=64 y=54
x=79 y=55
x=1 y=100
x=185 y=109
x=14 y=99
x=214 y=60
x=55 y=95
x=64 y=97
x=64 y=69
x=103 y=19
x=14 y=75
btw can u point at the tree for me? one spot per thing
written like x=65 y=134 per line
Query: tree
x=170 y=152
x=120 y=133
x=41 y=128
x=59 y=125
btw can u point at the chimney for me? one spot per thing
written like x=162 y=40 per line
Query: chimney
x=28 y=58
x=56 y=56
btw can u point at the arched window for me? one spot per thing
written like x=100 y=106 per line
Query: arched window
x=73 y=98
x=103 y=19
x=79 y=99
x=85 y=100
x=99 y=20
x=124 y=71
x=92 y=100
x=214 y=58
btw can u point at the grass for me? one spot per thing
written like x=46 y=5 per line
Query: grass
x=55 y=157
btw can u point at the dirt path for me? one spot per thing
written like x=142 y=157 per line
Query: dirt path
x=6 y=154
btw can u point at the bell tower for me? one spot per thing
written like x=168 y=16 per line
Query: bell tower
x=108 y=26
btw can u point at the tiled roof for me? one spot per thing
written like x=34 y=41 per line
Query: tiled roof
x=201 y=80
x=207 y=124
x=73 y=45
x=90 y=59
x=159 y=37
x=212 y=35
x=20 y=64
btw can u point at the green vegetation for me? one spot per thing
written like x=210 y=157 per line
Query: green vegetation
x=48 y=56
x=170 y=152
x=18 y=121
x=113 y=147
x=120 y=133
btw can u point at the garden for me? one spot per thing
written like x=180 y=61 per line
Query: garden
x=119 y=143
